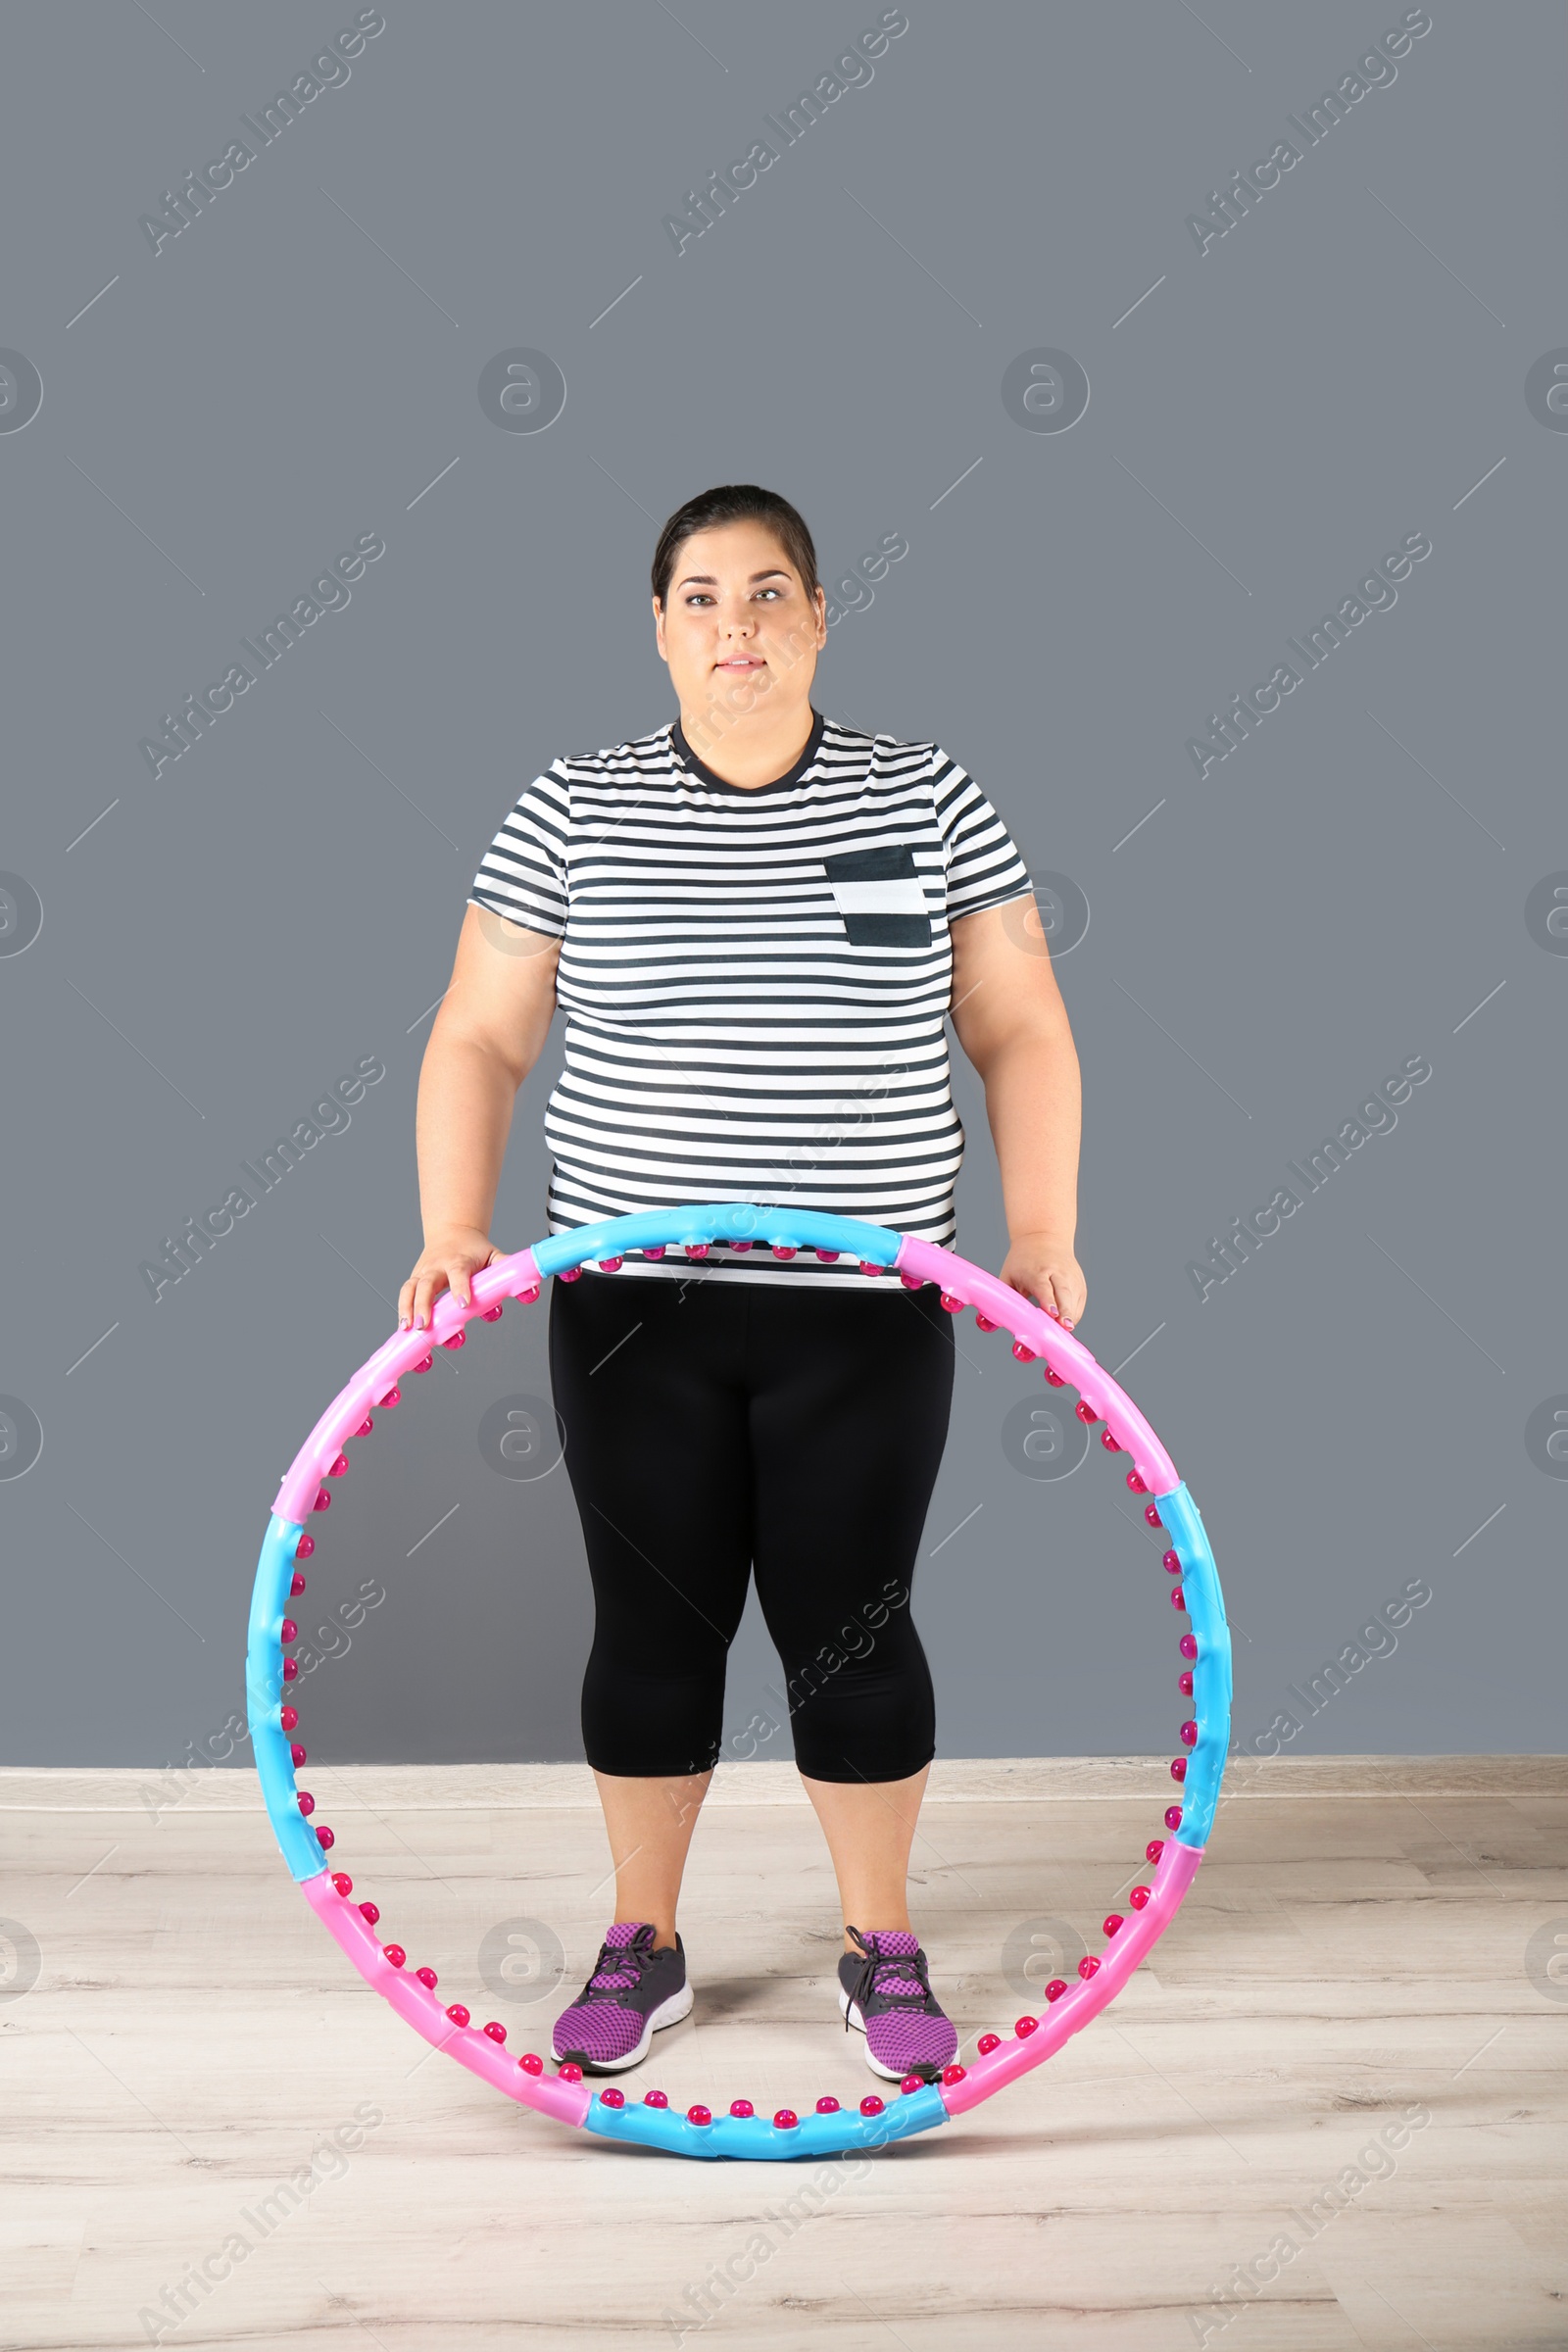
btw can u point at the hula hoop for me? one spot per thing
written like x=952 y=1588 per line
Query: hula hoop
x=1170 y=1512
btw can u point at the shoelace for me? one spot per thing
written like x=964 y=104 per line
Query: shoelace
x=908 y=1965
x=617 y=1970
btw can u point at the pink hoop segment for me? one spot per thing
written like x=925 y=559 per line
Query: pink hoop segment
x=1134 y=1940
x=1001 y=1303
x=515 y=1277
x=469 y=2045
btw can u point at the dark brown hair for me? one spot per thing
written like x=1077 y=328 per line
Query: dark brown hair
x=735 y=502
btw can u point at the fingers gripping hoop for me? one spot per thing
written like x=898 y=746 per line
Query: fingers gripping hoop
x=827 y=2128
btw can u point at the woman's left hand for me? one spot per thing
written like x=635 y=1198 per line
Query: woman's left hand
x=1043 y=1268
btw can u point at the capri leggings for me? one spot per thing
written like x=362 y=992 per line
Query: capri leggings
x=713 y=1428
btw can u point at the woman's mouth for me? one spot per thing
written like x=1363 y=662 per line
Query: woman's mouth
x=742 y=662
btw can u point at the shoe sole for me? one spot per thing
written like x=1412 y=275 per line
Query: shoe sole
x=668 y=2013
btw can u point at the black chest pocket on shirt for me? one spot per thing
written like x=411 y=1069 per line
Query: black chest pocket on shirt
x=880 y=897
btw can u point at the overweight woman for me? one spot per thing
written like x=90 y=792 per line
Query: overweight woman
x=757 y=919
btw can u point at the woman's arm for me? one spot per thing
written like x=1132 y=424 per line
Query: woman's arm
x=488 y=1033
x=1012 y=1024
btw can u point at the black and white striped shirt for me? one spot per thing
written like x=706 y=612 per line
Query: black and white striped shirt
x=754 y=981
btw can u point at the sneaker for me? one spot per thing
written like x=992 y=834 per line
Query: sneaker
x=633 y=1991
x=887 y=1996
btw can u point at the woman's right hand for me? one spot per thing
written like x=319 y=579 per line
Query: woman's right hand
x=446 y=1262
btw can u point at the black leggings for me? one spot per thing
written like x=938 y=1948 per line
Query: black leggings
x=715 y=1426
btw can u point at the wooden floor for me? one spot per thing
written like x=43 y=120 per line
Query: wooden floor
x=1355 y=1955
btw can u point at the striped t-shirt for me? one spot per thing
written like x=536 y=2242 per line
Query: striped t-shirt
x=754 y=981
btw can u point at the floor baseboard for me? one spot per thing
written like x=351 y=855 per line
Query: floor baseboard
x=954 y=1780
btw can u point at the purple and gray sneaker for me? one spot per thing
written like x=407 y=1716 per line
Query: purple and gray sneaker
x=887 y=1996
x=633 y=1991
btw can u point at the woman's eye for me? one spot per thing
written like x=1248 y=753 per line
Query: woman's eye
x=702 y=596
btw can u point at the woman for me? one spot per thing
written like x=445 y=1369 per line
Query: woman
x=757 y=919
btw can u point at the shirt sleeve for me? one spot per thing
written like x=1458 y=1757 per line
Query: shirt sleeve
x=523 y=874
x=984 y=867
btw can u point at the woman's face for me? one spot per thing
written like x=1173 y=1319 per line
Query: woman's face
x=738 y=627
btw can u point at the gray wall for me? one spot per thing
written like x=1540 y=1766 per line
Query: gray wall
x=1350 y=888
